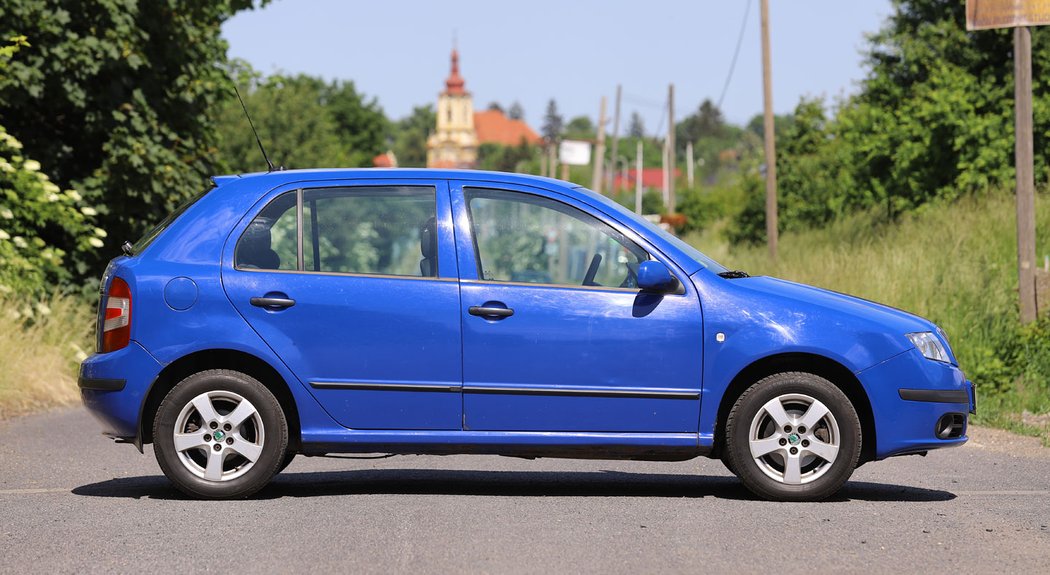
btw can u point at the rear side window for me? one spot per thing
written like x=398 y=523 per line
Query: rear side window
x=271 y=240
x=381 y=230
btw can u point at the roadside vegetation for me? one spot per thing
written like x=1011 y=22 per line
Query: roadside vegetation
x=47 y=339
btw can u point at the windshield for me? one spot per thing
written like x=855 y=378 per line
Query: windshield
x=672 y=239
x=151 y=235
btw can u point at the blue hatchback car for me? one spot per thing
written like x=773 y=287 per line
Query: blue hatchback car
x=440 y=312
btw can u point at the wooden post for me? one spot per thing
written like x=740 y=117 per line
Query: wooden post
x=1023 y=154
x=769 y=136
x=638 y=178
x=615 y=138
x=552 y=160
x=599 y=152
x=689 y=165
x=671 y=202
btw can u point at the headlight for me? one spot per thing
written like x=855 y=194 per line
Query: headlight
x=929 y=346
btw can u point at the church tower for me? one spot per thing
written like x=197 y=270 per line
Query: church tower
x=455 y=143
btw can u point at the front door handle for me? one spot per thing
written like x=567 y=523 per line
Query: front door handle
x=272 y=302
x=486 y=311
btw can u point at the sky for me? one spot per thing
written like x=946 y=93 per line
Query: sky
x=572 y=51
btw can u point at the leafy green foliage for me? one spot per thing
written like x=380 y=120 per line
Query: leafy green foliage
x=933 y=120
x=410 y=136
x=506 y=158
x=303 y=122
x=115 y=98
x=39 y=222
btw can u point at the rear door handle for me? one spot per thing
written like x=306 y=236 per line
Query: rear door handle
x=483 y=311
x=272 y=302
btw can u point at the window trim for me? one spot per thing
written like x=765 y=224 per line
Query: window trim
x=300 y=193
x=466 y=193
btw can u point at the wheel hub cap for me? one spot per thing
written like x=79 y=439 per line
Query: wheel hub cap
x=218 y=435
x=793 y=439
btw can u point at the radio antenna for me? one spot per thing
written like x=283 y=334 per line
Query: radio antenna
x=269 y=164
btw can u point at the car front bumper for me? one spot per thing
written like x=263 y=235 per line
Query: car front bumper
x=912 y=399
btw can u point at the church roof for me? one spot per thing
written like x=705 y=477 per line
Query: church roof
x=495 y=128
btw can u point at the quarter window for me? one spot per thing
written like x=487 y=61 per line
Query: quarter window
x=270 y=242
x=520 y=237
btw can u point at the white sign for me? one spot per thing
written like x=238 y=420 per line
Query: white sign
x=574 y=153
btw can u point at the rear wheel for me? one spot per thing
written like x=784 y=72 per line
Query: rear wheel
x=793 y=437
x=220 y=434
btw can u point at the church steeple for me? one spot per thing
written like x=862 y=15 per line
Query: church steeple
x=454 y=83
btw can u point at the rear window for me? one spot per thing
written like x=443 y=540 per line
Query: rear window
x=151 y=235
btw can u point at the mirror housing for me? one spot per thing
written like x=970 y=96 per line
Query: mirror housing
x=654 y=276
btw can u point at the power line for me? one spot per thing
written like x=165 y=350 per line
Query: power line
x=732 y=64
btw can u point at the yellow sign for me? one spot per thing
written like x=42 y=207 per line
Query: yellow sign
x=985 y=14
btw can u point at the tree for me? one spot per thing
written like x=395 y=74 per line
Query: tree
x=39 y=222
x=410 y=136
x=516 y=112
x=117 y=100
x=580 y=128
x=707 y=121
x=552 y=123
x=636 y=129
x=495 y=106
x=303 y=122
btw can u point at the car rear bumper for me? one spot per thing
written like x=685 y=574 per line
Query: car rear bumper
x=113 y=386
x=917 y=404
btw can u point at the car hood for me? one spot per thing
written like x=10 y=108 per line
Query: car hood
x=818 y=300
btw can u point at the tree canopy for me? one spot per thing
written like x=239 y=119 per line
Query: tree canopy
x=116 y=100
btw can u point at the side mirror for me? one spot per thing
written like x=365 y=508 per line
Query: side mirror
x=654 y=276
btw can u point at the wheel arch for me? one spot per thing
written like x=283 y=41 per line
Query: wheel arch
x=203 y=360
x=819 y=365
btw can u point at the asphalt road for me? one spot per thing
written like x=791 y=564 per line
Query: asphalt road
x=72 y=501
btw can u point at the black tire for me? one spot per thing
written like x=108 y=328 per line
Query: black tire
x=288 y=458
x=263 y=434
x=771 y=476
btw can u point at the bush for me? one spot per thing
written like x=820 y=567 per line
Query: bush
x=40 y=224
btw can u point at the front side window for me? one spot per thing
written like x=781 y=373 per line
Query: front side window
x=382 y=230
x=520 y=237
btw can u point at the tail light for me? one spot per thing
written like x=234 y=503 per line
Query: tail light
x=116 y=321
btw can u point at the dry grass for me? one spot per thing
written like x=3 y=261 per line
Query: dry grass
x=40 y=349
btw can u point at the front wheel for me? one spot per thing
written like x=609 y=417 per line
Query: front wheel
x=793 y=437
x=220 y=434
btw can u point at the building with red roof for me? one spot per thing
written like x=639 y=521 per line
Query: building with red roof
x=460 y=130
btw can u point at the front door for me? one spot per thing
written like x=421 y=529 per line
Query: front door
x=354 y=287
x=556 y=337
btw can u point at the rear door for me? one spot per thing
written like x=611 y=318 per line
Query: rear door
x=353 y=285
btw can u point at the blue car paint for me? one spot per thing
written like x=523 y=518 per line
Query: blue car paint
x=686 y=359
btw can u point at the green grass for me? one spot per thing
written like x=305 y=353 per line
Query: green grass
x=39 y=352
x=954 y=264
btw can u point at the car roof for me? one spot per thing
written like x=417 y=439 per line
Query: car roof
x=278 y=177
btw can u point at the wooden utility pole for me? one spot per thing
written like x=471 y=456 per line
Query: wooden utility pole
x=638 y=177
x=666 y=180
x=599 y=152
x=615 y=138
x=1023 y=154
x=670 y=150
x=769 y=136
x=689 y=165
